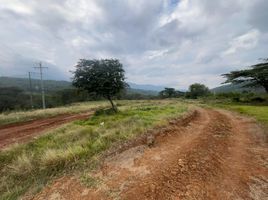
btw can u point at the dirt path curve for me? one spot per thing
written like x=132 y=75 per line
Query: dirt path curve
x=217 y=155
x=24 y=131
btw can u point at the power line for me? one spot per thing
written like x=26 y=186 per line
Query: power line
x=40 y=68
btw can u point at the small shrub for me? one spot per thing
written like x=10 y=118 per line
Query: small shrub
x=89 y=181
x=57 y=158
x=109 y=111
x=258 y=99
x=23 y=165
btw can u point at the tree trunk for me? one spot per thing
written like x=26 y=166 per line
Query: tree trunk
x=112 y=103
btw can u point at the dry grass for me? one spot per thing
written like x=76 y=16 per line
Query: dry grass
x=23 y=116
x=75 y=146
x=22 y=165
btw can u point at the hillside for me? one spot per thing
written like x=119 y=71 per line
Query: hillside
x=236 y=88
x=23 y=83
x=146 y=87
x=54 y=85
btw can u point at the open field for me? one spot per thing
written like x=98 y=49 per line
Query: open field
x=24 y=116
x=215 y=155
x=257 y=111
x=76 y=146
x=155 y=149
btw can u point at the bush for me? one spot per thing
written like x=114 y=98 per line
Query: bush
x=108 y=111
x=13 y=98
x=197 y=90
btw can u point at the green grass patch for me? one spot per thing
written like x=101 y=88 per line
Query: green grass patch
x=259 y=112
x=75 y=147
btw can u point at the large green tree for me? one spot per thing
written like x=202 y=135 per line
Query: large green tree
x=197 y=90
x=256 y=75
x=105 y=77
x=168 y=93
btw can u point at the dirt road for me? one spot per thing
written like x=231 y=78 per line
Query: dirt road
x=24 y=131
x=217 y=155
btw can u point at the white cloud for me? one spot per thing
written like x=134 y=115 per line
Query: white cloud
x=16 y=6
x=246 y=41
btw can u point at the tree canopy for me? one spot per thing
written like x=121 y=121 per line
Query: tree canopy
x=105 y=77
x=168 y=93
x=256 y=75
x=197 y=90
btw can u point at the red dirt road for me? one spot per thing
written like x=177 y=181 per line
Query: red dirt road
x=218 y=155
x=24 y=131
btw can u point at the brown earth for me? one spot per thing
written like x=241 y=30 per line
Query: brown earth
x=217 y=155
x=25 y=131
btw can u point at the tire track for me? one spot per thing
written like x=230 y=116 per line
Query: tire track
x=25 y=131
x=218 y=155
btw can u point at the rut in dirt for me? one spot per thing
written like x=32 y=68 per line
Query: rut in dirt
x=25 y=131
x=217 y=155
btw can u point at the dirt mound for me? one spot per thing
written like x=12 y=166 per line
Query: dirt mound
x=215 y=155
x=22 y=132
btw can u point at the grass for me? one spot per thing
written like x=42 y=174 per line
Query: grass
x=89 y=181
x=75 y=147
x=23 y=116
x=258 y=112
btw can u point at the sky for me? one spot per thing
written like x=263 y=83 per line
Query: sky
x=172 y=43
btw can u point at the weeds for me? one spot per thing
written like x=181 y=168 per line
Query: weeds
x=23 y=116
x=259 y=112
x=89 y=181
x=76 y=146
x=256 y=111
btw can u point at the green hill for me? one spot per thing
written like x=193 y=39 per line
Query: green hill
x=53 y=85
x=237 y=88
x=23 y=83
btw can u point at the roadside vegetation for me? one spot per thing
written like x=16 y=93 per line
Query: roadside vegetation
x=254 y=105
x=247 y=103
x=259 y=112
x=23 y=116
x=75 y=147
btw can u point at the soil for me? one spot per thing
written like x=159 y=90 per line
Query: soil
x=22 y=132
x=216 y=155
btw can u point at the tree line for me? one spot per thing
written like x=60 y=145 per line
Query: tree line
x=105 y=79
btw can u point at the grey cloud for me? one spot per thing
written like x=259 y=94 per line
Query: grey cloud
x=219 y=8
x=158 y=41
x=7 y=14
x=130 y=28
x=258 y=15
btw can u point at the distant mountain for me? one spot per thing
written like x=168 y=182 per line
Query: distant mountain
x=53 y=85
x=146 y=87
x=23 y=83
x=143 y=92
x=237 y=88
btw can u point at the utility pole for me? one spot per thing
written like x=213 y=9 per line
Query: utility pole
x=40 y=68
x=31 y=91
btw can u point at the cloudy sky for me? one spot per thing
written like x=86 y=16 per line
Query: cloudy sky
x=161 y=42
